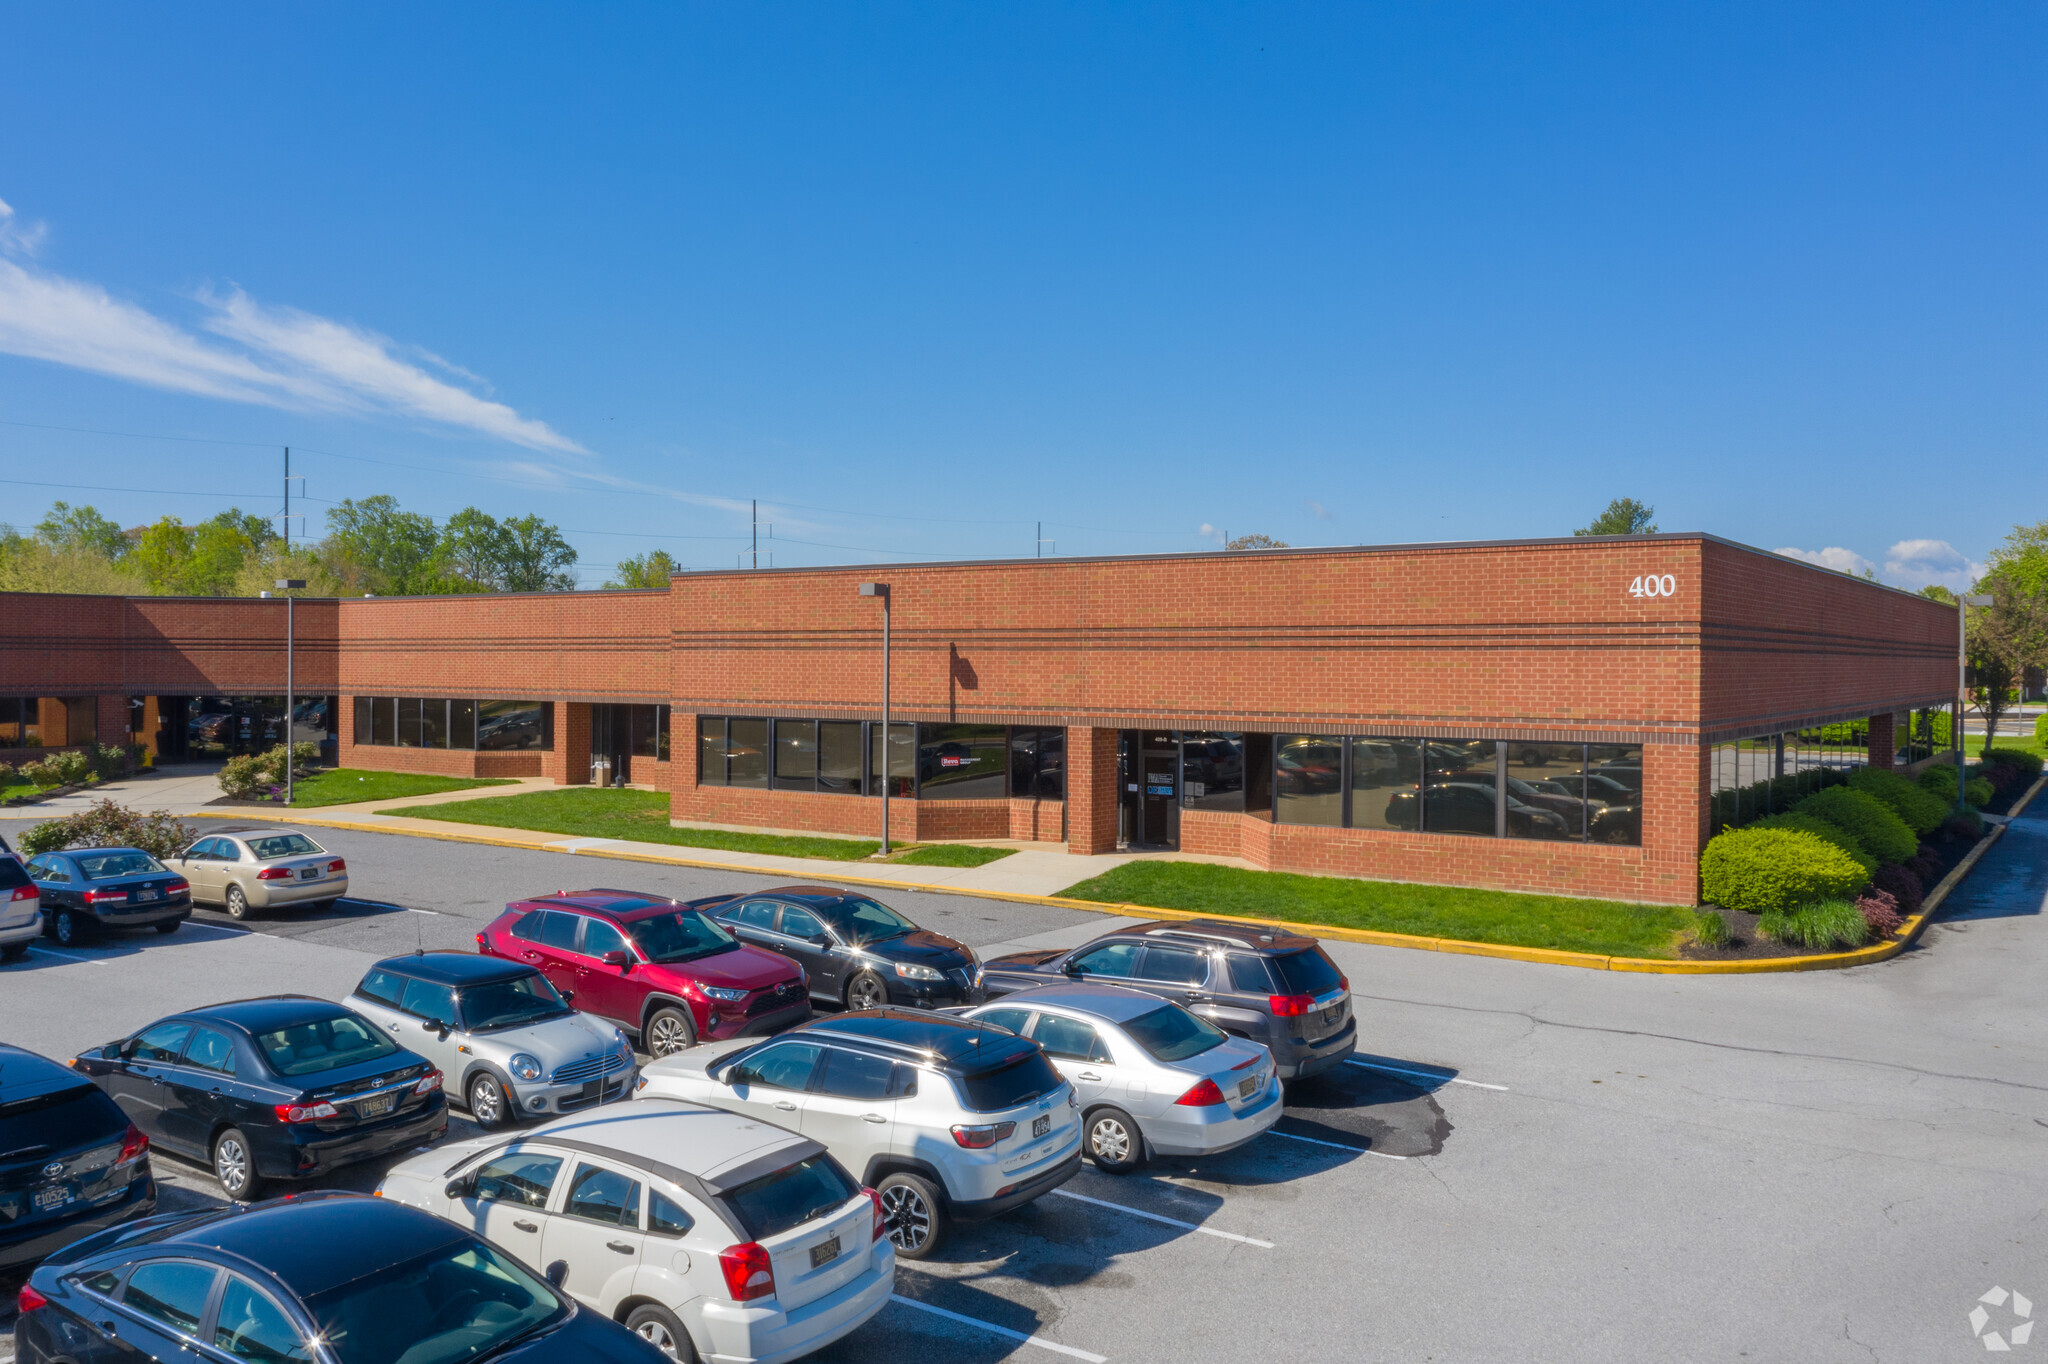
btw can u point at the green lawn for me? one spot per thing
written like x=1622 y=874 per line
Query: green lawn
x=2021 y=738
x=951 y=855
x=1493 y=916
x=599 y=812
x=18 y=789
x=347 y=785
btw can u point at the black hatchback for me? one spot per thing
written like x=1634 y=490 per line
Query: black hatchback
x=323 y=1277
x=1266 y=984
x=87 y=890
x=282 y=1088
x=70 y=1161
x=856 y=951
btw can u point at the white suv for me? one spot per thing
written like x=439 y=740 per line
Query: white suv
x=709 y=1235
x=21 y=912
x=944 y=1118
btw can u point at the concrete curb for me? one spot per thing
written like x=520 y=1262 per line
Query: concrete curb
x=1908 y=932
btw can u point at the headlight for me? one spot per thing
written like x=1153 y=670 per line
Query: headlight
x=729 y=996
x=912 y=971
x=523 y=1067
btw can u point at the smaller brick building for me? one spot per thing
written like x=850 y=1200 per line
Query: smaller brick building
x=1552 y=715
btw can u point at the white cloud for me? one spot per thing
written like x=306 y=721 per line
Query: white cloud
x=1919 y=563
x=1319 y=511
x=1209 y=532
x=277 y=357
x=1835 y=557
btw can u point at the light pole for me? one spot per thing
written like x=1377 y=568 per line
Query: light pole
x=882 y=590
x=288 y=586
x=1963 y=605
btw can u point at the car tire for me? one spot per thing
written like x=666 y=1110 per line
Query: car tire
x=658 y=1326
x=14 y=951
x=237 y=903
x=913 y=1215
x=1113 y=1141
x=670 y=1030
x=866 y=991
x=489 y=1106
x=168 y=926
x=70 y=928
x=234 y=1166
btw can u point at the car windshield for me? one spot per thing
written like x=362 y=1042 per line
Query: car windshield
x=282 y=845
x=323 y=1044
x=449 y=1305
x=680 y=935
x=509 y=1003
x=790 y=1197
x=1171 y=1033
x=107 y=866
x=863 y=921
x=1308 y=973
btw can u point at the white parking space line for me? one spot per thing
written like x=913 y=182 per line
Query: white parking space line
x=1169 y=1221
x=433 y=912
x=1040 y=1341
x=43 y=951
x=1424 y=1074
x=1333 y=1145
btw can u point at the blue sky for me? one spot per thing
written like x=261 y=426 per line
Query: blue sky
x=918 y=278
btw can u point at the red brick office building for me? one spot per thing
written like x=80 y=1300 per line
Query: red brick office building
x=1537 y=715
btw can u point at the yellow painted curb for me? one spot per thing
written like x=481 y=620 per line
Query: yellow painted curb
x=1589 y=961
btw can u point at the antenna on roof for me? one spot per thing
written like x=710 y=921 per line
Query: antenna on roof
x=420 y=938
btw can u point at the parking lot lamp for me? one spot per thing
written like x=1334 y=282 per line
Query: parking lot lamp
x=882 y=590
x=1963 y=605
x=288 y=586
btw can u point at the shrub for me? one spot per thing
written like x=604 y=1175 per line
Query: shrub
x=1926 y=864
x=1761 y=870
x=2029 y=763
x=1968 y=826
x=253 y=774
x=72 y=767
x=1922 y=810
x=2041 y=731
x=1979 y=792
x=1880 y=913
x=109 y=762
x=1867 y=820
x=1902 y=884
x=41 y=773
x=1820 y=828
x=1940 y=781
x=6 y=774
x=108 y=825
x=1710 y=929
x=1831 y=923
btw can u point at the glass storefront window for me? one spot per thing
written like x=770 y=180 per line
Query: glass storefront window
x=384 y=720
x=746 y=753
x=514 y=724
x=796 y=755
x=462 y=724
x=408 y=722
x=433 y=724
x=1308 y=779
x=1614 y=775
x=1459 y=794
x=1385 y=776
x=647 y=731
x=962 y=762
x=711 y=750
x=1212 y=771
x=902 y=779
x=839 y=756
x=1038 y=764
x=1548 y=778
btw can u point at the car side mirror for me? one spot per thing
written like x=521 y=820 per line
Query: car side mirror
x=820 y=940
x=566 y=995
x=1070 y=969
x=558 y=1272
x=114 y=1051
x=618 y=957
x=458 y=1188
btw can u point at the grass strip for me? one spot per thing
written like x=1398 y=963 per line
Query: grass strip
x=951 y=855
x=348 y=785
x=1491 y=916
x=640 y=816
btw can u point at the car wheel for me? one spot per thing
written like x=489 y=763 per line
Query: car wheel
x=658 y=1326
x=70 y=928
x=234 y=1165
x=14 y=951
x=670 y=1030
x=237 y=903
x=487 y=1102
x=866 y=991
x=168 y=926
x=912 y=1216
x=1114 y=1143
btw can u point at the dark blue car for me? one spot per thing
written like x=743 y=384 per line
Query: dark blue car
x=327 y=1278
x=88 y=890
x=70 y=1161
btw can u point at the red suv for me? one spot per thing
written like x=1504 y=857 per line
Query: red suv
x=651 y=965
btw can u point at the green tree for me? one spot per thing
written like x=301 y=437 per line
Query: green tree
x=161 y=553
x=537 y=558
x=384 y=549
x=651 y=569
x=1624 y=516
x=1256 y=542
x=1936 y=592
x=82 y=528
x=472 y=552
x=198 y=561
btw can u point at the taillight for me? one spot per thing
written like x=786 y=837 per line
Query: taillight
x=749 y=1273
x=274 y=874
x=25 y=893
x=178 y=887
x=102 y=897
x=1290 y=1006
x=983 y=1135
x=134 y=1146
x=1202 y=1095
x=338 y=864
x=305 y=1112
x=876 y=1199
x=28 y=1300
x=429 y=1082
x=481 y=944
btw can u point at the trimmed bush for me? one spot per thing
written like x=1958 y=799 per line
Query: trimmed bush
x=1939 y=781
x=2029 y=763
x=1866 y=819
x=2041 y=731
x=1902 y=884
x=1979 y=792
x=253 y=774
x=107 y=825
x=1880 y=913
x=1762 y=870
x=72 y=767
x=1820 y=828
x=1968 y=826
x=6 y=774
x=1832 y=923
x=1922 y=810
x=41 y=773
x=1710 y=929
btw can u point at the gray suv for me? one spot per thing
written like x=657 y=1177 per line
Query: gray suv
x=1261 y=983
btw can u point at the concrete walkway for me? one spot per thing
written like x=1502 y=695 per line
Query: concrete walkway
x=168 y=789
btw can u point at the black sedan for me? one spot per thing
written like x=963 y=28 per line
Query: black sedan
x=333 y=1277
x=856 y=951
x=280 y=1088
x=70 y=1162
x=85 y=890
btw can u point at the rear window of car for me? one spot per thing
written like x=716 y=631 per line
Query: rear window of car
x=324 y=1044
x=282 y=845
x=790 y=1197
x=1307 y=973
x=106 y=866
x=61 y=1120
x=12 y=874
x=1029 y=1076
x=1173 y=1034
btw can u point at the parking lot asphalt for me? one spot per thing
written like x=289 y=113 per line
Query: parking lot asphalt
x=1532 y=1162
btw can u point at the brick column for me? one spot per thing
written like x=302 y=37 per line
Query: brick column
x=569 y=762
x=1883 y=741
x=1091 y=790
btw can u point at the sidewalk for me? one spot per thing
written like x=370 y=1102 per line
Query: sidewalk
x=167 y=789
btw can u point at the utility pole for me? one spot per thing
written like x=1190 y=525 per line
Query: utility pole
x=287 y=501
x=288 y=586
x=757 y=532
x=882 y=590
x=1963 y=605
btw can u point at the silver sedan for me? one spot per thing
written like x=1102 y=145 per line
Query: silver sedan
x=1152 y=1078
x=248 y=870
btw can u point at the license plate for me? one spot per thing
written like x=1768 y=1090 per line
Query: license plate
x=1249 y=1086
x=1041 y=1125
x=148 y=894
x=52 y=1198
x=825 y=1252
x=309 y=873
x=376 y=1104
x=1330 y=1015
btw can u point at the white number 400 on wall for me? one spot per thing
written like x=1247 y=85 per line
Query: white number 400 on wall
x=1653 y=585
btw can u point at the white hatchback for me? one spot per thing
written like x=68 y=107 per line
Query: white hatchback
x=711 y=1235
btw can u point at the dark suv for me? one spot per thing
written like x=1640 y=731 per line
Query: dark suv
x=856 y=951
x=70 y=1162
x=1271 y=986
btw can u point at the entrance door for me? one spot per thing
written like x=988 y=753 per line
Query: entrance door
x=1152 y=789
x=611 y=736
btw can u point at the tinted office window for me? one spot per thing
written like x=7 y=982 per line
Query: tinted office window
x=433 y=723
x=746 y=753
x=1258 y=772
x=384 y=720
x=661 y=722
x=408 y=722
x=363 y=735
x=1038 y=759
x=648 y=731
x=1459 y=794
x=514 y=724
x=902 y=779
x=711 y=750
x=839 y=743
x=962 y=762
x=1212 y=771
x=1308 y=779
x=1614 y=774
x=1385 y=780
x=796 y=755
x=462 y=724
x=1546 y=777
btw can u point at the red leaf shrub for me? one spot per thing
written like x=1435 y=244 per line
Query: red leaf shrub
x=1968 y=827
x=1902 y=887
x=1926 y=864
x=1881 y=912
